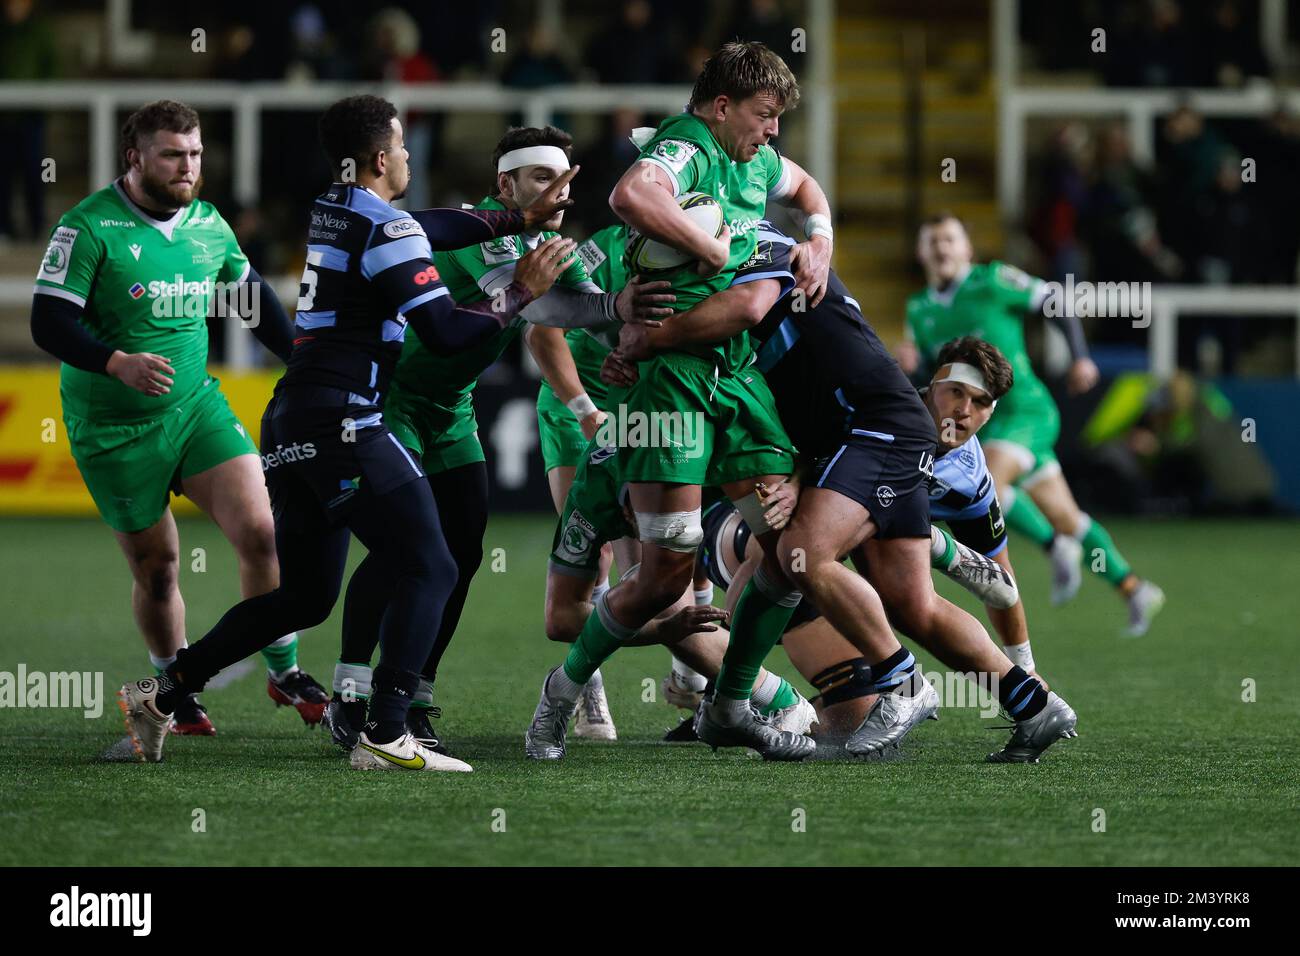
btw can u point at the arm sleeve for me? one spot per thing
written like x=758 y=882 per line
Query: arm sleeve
x=449 y=229
x=56 y=329
x=565 y=308
x=403 y=273
x=234 y=267
x=1072 y=329
x=273 y=329
x=71 y=261
x=682 y=160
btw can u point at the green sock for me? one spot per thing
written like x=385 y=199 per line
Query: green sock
x=601 y=636
x=760 y=618
x=282 y=655
x=942 y=559
x=1101 y=556
x=1024 y=516
x=784 y=697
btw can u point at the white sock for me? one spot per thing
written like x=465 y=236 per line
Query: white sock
x=765 y=691
x=284 y=641
x=728 y=711
x=560 y=685
x=162 y=663
x=688 y=677
x=1085 y=522
x=1020 y=654
x=602 y=587
x=704 y=595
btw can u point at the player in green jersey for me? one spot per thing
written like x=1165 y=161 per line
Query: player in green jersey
x=122 y=297
x=990 y=301
x=723 y=428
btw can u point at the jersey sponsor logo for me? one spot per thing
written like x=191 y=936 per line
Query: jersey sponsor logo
x=762 y=257
x=996 y=523
x=135 y=291
x=428 y=275
x=116 y=224
x=591 y=255
x=966 y=457
x=201 y=220
x=323 y=220
x=939 y=488
x=926 y=465
x=159 y=287
x=885 y=495
x=577 y=537
x=674 y=153
x=496 y=251
x=282 y=455
x=54 y=267
x=403 y=227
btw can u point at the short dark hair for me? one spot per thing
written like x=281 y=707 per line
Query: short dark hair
x=986 y=357
x=942 y=216
x=521 y=137
x=357 y=128
x=741 y=69
x=155 y=117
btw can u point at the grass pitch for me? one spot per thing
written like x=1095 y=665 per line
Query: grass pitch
x=1183 y=768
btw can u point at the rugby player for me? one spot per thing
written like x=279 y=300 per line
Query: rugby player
x=991 y=300
x=333 y=468
x=849 y=408
x=961 y=494
x=719 y=146
x=430 y=410
x=121 y=299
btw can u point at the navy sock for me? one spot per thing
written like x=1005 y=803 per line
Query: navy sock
x=897 y=671
x=390 y=699
x=1021 y=695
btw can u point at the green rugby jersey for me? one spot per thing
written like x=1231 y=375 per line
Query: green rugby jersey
x=145 y=286
x=686 y=149
x=471 y=275
x=990 y=303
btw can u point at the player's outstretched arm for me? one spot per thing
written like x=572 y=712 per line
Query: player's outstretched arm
x=643 y=199
x=717 y=319
x=449 y=229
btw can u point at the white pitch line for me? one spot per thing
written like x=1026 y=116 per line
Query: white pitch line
x=231 y=674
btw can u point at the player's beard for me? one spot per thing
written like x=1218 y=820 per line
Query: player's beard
x=165 y=195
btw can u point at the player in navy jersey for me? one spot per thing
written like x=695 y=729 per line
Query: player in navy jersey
x=333 y=468
x=849 y=408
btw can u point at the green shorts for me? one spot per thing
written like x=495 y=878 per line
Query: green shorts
x=685 y=423
x=131 y=469
x=592 y=515
x=441 y=438
x=560 y=434
x=1028 y=433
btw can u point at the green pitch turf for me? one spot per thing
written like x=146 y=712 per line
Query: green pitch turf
x=1182 y=768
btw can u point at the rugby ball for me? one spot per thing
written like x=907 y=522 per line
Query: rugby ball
x=646 y=256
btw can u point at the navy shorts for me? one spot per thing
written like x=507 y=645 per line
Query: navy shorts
x=320 y=443
x=888 y=478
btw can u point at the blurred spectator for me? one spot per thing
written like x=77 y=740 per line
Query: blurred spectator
x=1121 y=221
x=1232 y=50
x=1190 y=157
x=1160 y=52
x=1276 y=149
x=538 y=64
x=629 y=50
x=1054 y=224
x=765 y=21
x=313 y=52
x=603 y=163
x=26 y=53
x=393 y=55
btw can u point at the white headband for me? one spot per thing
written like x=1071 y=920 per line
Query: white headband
x=533 y=156
x=963 y=373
